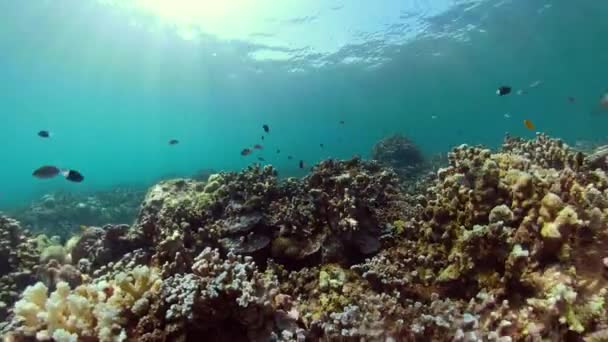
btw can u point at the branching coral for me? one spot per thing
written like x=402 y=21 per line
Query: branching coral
x=88 y=311
x=222 y=292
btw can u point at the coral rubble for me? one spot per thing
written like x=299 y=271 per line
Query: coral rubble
x=504 y=245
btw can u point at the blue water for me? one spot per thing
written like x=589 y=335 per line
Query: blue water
x=113 y=84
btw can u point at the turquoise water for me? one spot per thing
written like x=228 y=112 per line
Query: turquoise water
x=113 y=83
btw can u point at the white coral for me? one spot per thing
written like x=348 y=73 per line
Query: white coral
x=67 y=315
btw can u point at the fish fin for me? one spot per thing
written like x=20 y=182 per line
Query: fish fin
x=64 y=172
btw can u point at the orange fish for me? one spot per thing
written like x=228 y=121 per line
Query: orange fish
x=529 y=125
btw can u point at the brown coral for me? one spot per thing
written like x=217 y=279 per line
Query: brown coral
x=18 y=262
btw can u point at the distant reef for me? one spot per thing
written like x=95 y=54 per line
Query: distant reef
x=405 y=158
x=506 y=245
x=63 y=213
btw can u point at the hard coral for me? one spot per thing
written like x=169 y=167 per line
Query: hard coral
x=498 y=221
x=399 y=153
x=340 y=210
x=99 y=246
x=226 y=292
x=18 y=262
x=91 y=311
x=498 y=246
x=62 y=213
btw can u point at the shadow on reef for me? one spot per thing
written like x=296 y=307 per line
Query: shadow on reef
x=504 y=245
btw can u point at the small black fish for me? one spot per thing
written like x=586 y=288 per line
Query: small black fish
x=258 y=147
x=44 y=134
x=262 y=137
x=46 y=172
x=261 y=159
x=173 y=142
x=321 y=145
x=289 y=157
x=73 y=176
x=503 y=90
x=246 y=152
x=266 y=128
x=301 y=164
x=341 y=122
x=278 y=151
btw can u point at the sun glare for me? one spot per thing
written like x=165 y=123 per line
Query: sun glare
x=227 y=19
x=186 y=12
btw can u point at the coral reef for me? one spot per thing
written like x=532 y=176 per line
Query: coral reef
x=504 y=245
x=598 y=158
x=336 y=214
x=227 y=296
x=399 y=153
x=63 y=213
x=19 y=257
x=91 y=311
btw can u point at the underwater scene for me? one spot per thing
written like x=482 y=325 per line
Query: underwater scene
x=305 y=170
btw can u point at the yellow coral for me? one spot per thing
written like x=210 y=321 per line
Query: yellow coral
x=399 y=226
x=56 y=252
x=331 y=277
x=551 y=204
x=138 y=282
x=71 y=243
x=565 y=222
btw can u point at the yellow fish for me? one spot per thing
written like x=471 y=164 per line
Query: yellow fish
x=529 y=125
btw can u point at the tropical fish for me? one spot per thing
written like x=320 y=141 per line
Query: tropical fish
x=507 y=116
x=341 y=122
x=535 y=84
x=44 y=134
x=289 y=157
x=571 y=99
x=246 y=152
x=278 y=151
x=173 y=142
x=258 y=147
x=49 y=171
x=529 y=125
x=261 y=159
x=46 y=172
x=73 y=176
x=301 y=164
x=321 y=145
x=266 y=128
x=262 y=137
x=503 y=90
